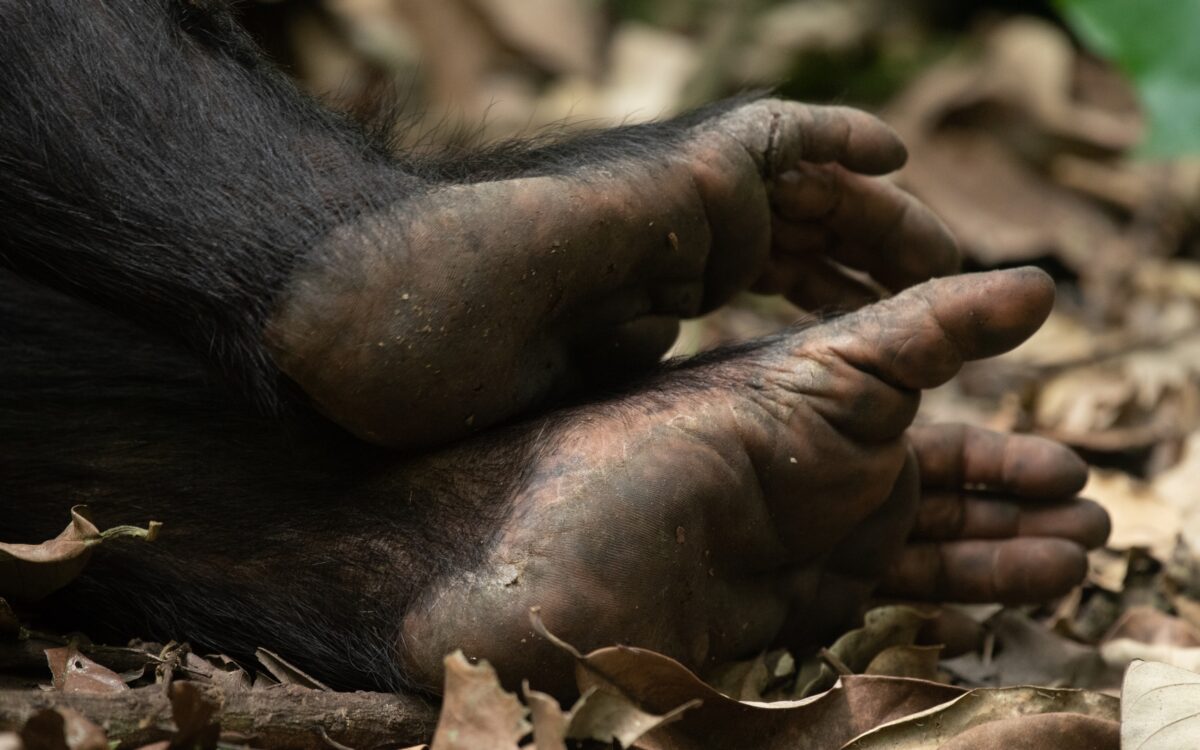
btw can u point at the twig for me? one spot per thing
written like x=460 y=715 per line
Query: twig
x=288 y=717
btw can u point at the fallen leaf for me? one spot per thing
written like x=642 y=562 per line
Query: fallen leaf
x=194 y=712
x=476 y=711
x=658 y=684
x=933 y=728
x=917 y=662
x=549 y=721
x=33 y=571
x=598 y=715
x=882 y=628
x=61 y=729
x=220 y=671
x=610 y=717
x=72 y=672
x=559 y=35
x=1188 y=609
x=1160 y=707
x=1027 y=653
x=1140 y=518
x=1121 y=652
x=752 y=679
x=1053 y=730
x=286 y=672
x=1107 y=569
x=1149 y=625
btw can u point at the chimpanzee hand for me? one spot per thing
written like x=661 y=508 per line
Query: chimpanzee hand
x=735 y=503
x=496 y=293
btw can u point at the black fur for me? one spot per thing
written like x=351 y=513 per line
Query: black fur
x=152 y=162
x=152 y=165
x=278 y=532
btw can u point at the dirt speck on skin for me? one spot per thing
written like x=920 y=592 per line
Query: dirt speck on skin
x=680 y=536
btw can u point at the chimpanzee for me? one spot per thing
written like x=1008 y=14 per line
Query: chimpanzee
x=385 y=404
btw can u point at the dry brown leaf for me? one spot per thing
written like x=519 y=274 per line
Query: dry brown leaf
x=917 y=662
x=549 y=721
x=33 y=571
x=1188 y=609
x=220 y=671
x=1179 y=486
x=1084 y=400
x=1107 y=569
x=72 y=672
x=1122 y=652
x=1061 y=339
x=195 y=714
x=1059 y=731
x=61 y=729
x=476 y=711
x=882 y=628
x=1149 y=625
x=752 y=679
x=610 y=717
x=658 y=684
x=559 y=35
x=1160 y=707
x=286 y=672
x=600 y=716
x=1027 y=653
x=1140 y=517
x=933 y=728
x=1007 y=113
x=784 y=31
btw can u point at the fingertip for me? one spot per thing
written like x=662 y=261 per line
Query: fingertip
x=1073 y=471
x=874 y=148
x=857 y=140
x=1098 y=524
x=1037 y=467
x=1035 y=570
x=990 y=313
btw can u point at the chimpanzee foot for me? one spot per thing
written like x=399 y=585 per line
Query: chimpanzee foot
x=731 y=504
x=479 y=300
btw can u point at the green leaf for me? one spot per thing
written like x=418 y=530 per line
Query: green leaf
x=1153 y=41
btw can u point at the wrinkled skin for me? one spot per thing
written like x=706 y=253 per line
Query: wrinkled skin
x=760 y=499
x=546 y=284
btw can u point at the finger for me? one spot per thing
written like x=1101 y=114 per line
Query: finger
x=921 y=337
x=947 y=516
x=814 y=283
x=1082 y=521
x=858 y=141
x=779 y=134
x=873 y=226
x=1010 y=571
x=957 y=456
